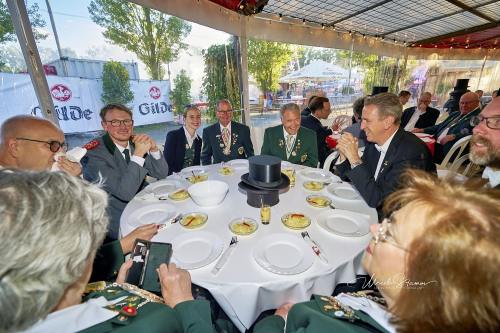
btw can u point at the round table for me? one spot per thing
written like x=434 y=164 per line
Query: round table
x=242 y=287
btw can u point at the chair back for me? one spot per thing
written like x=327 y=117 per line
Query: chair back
x=459 y=147
x=329 y=159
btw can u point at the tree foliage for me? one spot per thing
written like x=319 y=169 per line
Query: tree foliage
x=7 y=32
x=181 y=94
x=307 y=54
x=266 y=61
x=154 y=37
x=115 y=84
x=220 y=78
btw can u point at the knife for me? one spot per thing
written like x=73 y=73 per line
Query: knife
x=225 y=255
x=315 y=247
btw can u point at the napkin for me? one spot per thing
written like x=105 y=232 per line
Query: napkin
x=73 y=155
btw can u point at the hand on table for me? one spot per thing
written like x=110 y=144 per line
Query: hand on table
x=72 y=168
x=142 y=144
x=447 y=138
x=145 y=232
x=175 y=284
x=122 y=273
x=348 y=147
x=283 y=310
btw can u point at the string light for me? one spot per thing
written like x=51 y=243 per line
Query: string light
x=281 y=17
x=304 y=21
x=322 y=26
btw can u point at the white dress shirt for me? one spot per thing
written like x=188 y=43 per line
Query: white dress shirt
x=413 y=120
x=383 y=150
x=493 y=176
x=190 y=139
x=133 y=158
x=288 y=150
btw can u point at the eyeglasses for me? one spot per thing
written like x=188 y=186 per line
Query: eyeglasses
x=491 y=122
x=384 y=234
x=118 y=123
x=226 y=112
x=53 y=145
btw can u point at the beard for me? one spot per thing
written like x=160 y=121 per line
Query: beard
x=488 y=157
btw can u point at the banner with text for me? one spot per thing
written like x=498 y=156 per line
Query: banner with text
x=78 y=101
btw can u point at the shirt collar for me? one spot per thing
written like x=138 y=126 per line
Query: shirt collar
x=189 y=135
x=383 y=148
x=285 y=133
x=228 y=127
x=492 y=175
x=121 y=149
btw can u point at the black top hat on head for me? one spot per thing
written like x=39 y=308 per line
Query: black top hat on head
x=462 y=84
x=379 y=89
x=264 y=172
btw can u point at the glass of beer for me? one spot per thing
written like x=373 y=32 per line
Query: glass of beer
x=265 y=213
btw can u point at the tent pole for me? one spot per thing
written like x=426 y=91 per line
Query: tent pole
x=350 y=67
x=24 y=34
x=242 y=62
x=481 y=73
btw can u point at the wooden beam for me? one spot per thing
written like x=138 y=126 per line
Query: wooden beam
x=458 y=33
x=470 y=10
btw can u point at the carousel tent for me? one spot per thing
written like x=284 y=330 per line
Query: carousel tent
x=317 y=70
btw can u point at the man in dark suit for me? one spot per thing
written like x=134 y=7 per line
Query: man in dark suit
x=390 y=150
x=320 y=109
x=485 y=142
x=453 y=128
x=420 y=116
x=226 y=140
x=123 y=160
x=183 y=145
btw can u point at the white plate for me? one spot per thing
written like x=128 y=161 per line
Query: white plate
x=195 y=168
x=152 y=213
x=163 y=187
x=196 y=249
x=318 y=175
x=238 y=164
x=283 y=254
x=344 y=222
x=344 y=192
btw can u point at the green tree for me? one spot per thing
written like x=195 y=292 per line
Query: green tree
x=181 y=94
x=220 y=78
x=307 y=54
x=154 y=37
x=266 y=61
x=115 y=84
x=7 y=32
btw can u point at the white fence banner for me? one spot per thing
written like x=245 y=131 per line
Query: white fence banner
x=78 y=101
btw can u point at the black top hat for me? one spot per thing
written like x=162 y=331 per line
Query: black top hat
x=378 y=89
x=461 y=84
x=265 y=173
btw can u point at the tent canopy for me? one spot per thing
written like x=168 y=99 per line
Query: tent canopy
x=317 y=70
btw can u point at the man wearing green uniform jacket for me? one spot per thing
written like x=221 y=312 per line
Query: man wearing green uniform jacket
x=319 y=315
x=225 y=140
x=290 y=141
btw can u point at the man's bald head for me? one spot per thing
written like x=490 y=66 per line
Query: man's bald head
x=20 y=145
x=469 y=102
x=19 y=126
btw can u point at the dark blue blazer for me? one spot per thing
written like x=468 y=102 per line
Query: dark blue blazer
x=425 y=120
x=322 y=132
x=405 y=151
x=175 y=148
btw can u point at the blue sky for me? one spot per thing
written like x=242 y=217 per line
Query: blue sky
x=77 y=32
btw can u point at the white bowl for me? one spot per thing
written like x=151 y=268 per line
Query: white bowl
x=208 y=193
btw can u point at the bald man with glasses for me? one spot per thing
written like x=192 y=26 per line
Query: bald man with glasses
x=31 y=143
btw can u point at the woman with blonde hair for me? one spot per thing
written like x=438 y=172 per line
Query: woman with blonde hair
x=435 y=261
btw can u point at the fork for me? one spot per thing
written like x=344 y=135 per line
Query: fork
x=172 y=220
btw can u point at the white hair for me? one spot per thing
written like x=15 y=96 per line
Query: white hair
x=51 y=224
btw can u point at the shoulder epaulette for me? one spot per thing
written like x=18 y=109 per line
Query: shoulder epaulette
x=91 y=145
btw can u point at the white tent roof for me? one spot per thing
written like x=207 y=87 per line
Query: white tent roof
x=317 y=70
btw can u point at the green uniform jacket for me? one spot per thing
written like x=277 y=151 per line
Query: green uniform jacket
x=190 y=316
x=312 y=317
x=305 y=149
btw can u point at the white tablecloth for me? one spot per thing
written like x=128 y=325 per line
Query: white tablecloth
x=243 y=288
